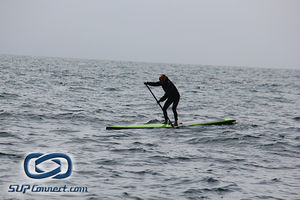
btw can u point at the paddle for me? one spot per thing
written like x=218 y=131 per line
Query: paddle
x=159 y=104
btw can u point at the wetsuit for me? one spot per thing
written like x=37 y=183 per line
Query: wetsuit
x=171 y=94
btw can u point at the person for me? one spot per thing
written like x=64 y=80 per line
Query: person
x=171 y=95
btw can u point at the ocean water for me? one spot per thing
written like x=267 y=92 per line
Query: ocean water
x=56 y=105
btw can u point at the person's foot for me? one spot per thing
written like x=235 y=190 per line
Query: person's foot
x=176 y=123
x=165 y=122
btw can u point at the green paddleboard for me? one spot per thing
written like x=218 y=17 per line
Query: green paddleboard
x=150 y=126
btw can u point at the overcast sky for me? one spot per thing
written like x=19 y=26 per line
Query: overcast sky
x=258 y=33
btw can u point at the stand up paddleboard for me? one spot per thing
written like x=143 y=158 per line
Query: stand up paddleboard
x=226 y=121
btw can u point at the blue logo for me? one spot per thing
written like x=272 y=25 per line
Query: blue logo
x=39 y=158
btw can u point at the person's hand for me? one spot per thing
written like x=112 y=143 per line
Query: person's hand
x=145 y=83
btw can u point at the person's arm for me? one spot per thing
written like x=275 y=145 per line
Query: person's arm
x=153 y=83
x=163 y=98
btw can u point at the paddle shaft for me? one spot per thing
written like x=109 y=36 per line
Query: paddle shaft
x=159 y=104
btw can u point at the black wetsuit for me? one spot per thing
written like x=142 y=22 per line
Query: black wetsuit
x=171 y=94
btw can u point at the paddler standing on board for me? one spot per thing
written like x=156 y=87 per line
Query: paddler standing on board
x=171 y=95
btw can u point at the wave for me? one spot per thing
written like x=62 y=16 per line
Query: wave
x=218 y=190
x=168 y=159
x=7 y=134
x=145 y=172
x=129 y=150
x=145 y=144
x=108 y=162
x=210 y=180
x=296 y=118
x=11 y=155
x=5 y=114
x=207 y=140
x=267 y=197
x=6 y=95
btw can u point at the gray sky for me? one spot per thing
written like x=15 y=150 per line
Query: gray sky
x=258 y=33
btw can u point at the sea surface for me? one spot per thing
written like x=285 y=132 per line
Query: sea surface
x=57 y=105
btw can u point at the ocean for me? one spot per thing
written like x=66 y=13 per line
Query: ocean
x=60 y=105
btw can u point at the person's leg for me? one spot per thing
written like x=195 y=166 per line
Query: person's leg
x=166 y=106
x=174 y=108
